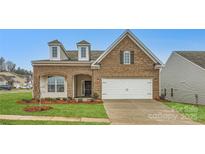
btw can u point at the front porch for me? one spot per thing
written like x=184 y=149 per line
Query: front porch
x=82 y=86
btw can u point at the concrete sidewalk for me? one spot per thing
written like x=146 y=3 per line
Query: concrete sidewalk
x=53 y=118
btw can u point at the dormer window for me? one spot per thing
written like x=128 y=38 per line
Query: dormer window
x=83 y=52
x=54 y=52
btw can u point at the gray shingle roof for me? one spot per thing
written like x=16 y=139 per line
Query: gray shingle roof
x=197 y=57
x=73 y=54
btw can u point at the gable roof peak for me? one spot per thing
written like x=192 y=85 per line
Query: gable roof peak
x=129 y=33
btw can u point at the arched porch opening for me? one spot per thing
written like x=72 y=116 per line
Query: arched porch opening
x=82 y=85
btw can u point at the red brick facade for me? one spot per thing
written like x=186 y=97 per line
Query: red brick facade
x=110 y=67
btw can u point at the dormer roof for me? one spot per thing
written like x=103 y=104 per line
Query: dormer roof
x=83 y=42
x=54 y=42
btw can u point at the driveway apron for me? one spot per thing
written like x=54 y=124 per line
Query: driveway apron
x=144 y=112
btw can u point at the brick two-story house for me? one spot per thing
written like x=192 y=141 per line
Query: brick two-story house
x=126 y=70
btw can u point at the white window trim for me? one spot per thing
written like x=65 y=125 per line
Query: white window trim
x=56 y=52
x=126 y=52
x=51 y=53
x=56 y=86
x=87 y=53
x=81 y=52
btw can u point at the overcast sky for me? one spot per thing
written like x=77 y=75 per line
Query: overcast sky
x=22 y=46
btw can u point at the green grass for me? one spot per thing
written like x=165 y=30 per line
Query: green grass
x=15 y=91
x=196 y=113
x=28 y=122
x=9 y=106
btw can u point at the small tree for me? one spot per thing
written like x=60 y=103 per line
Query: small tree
x=95 y=95
x=2 y=64
x=10 y=66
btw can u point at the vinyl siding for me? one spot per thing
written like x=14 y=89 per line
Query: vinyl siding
x=185 y=78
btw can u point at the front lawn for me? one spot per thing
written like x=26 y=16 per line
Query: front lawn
x=196 y=113
x=29 y=122
x=9 y=106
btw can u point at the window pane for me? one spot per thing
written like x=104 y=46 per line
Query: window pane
x=55 y=84
x=51 y=88
x=60 y=88
x=83 y=52
x=51 y=84
x=60 y=84
x=54 y=51
x=126 y=58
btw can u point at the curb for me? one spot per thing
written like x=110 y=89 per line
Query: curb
x=53 y=118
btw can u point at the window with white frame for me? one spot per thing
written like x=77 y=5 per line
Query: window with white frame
x=54 y=52
x=126 y=56
x=55 y=84
x=83 y=52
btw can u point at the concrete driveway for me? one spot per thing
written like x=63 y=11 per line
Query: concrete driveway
x=143 y=112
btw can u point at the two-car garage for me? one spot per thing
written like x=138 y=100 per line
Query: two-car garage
x=126 y=88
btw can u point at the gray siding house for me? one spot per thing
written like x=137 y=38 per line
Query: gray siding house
x=183 y=77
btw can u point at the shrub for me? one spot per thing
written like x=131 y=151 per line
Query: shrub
x=69 y=98
x=95 y=95
x=162 y=97
x=65 y=99
x=52 y=99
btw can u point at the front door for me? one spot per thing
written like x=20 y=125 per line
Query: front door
x=88 y=88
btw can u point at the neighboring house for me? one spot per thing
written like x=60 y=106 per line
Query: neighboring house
x=3 y=81
x=183 y=77
x=13 y=79
x=126 y=70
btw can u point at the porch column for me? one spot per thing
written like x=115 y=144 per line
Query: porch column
x=70 y=85
x=96 y=79
x=92 y=88
x=36 y=86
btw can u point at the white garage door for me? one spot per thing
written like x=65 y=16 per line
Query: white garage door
x=127 y=88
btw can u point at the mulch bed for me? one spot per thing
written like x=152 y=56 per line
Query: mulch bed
x=43 y=101
x=162 y=100
x=37 y=108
